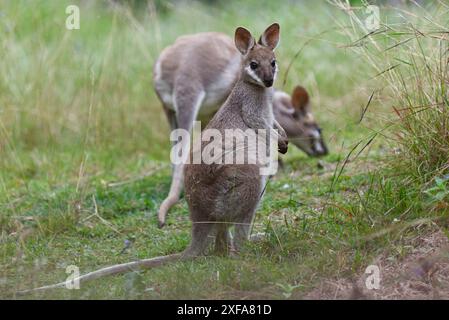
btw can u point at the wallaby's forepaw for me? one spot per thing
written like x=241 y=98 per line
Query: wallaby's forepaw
x=283 y=146
x=161 y=224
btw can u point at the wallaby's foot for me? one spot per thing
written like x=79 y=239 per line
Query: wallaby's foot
x=223 y=252
x=221 y=248
x=223 y=241
x=235 y=248
x=233 y=254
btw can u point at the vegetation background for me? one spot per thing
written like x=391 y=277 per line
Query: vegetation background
x=84 y=146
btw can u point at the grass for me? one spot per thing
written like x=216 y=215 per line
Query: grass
x=84 y=148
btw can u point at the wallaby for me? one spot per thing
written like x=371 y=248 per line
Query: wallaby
x=295 y=117
x=219 y=195
x=224 y=195
x=195 y=75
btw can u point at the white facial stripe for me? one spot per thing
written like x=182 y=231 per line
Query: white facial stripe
x=275 y=72
x=253 y=75
x=318 y=147
x=316 y=134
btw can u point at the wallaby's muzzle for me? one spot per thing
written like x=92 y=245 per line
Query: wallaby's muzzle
x=319 y=148
x=268 y=83
x=312 y=146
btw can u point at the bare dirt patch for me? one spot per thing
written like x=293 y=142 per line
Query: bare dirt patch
x=423 y=274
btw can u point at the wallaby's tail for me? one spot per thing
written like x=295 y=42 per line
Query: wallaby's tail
x=115 y=269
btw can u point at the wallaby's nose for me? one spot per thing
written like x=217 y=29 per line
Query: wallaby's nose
x=268 y=83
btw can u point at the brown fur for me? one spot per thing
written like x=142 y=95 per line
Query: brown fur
x=221 y=196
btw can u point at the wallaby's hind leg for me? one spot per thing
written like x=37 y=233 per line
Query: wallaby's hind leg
x=242 y=231
x=171 y=117
x=223 y=243
x=200 y=240
x=188 y=100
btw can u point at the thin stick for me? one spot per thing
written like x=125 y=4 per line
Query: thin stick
x=114 y=269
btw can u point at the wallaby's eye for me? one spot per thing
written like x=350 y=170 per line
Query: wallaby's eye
x=273 y=63
x=253 y=65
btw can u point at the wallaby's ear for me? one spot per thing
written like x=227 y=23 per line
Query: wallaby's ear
x=270 y=38
x=300 y=98
x=244 y=41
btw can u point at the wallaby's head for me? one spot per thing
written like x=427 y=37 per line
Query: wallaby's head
x=295 y=116
x=259 y=62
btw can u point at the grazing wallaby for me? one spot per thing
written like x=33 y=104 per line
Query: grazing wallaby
x=229 y=193
x=295 y=116
x=195 y=75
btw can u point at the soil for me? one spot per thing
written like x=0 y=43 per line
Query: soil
x=422 y=274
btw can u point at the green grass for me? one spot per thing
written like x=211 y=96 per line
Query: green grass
x=84 y=150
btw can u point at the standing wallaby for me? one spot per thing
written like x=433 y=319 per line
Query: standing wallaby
x=194 y=76
x=224 y=195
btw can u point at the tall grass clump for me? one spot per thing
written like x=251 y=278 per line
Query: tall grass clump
x=408 y=55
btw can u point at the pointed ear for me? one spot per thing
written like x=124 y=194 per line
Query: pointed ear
x=300 y=98
x=270 y=38
x=244 y=41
